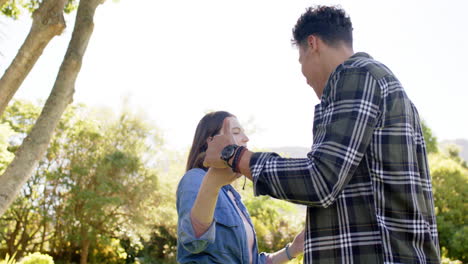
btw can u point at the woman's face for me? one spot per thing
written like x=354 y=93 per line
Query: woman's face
x=237 y=132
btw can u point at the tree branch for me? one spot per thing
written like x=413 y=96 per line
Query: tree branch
x=35 y=144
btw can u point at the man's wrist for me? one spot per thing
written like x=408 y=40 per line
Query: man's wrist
x=244 y=164
x=236 y=160
x=230 y=162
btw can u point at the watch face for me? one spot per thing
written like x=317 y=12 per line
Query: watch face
x=227 y=152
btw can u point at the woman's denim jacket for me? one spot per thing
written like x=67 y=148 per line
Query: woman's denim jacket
x=225 y=241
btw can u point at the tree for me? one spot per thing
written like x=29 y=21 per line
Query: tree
x=276 y=222
x=35 y=144
x=2 y=3
x=161 y=245
x=5 y=156
x=450 y=183
x=95 y=185
x=429 y=138
x=21 y=224
x=48 y=22
x=112 y=191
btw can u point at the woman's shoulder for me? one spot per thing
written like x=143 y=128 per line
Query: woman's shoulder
x=195 y=172
x=191 y=179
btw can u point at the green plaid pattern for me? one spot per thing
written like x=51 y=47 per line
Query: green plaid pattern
x=366 y=180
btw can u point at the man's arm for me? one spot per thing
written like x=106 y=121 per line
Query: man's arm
x=342 y=136
x=341 y=140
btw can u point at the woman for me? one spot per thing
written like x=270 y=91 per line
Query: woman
x=214 y=225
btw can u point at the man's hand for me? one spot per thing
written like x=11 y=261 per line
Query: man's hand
x=216 y=145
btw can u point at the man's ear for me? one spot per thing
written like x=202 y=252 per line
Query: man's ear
x=312 y=42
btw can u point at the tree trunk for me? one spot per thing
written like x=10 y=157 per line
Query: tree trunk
x=84 y=245
x=84 y=251
x=48 y=22
x=35 y=144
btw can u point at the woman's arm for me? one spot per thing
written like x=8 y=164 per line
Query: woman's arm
x=205 y=204
x=295 y=249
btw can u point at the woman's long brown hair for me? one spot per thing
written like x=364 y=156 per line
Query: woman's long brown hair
x=209 y=126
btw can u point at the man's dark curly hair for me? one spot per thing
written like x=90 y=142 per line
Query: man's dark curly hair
x=330 y=23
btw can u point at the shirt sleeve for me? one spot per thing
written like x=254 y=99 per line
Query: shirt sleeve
x=263 y=258
x=342 y=133
x=187 y=192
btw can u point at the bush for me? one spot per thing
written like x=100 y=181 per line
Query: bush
x=9 y=259
x=446 y=260
x=37 y=258
x=276 y=222
x=450 y=184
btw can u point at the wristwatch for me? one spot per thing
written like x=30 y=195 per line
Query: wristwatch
x=286 y=248
x=227 y=153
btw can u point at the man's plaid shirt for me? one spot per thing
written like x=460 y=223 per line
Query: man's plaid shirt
x=366 y=179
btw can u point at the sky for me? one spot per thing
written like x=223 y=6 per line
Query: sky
x=175 y=60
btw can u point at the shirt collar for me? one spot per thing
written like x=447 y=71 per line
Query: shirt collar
x=360 y=55
x=350 y=60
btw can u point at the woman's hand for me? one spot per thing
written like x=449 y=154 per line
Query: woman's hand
x=216 y=145
x=220 y=177
x=297 y=246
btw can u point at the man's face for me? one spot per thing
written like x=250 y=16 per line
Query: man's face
x=310 y=67
x=306 y=61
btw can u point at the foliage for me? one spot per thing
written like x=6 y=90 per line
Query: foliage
x=273 y=222
x=162 y=244
x=9 y=259
x=276 y=222
x=110 y=253
x=453 y=152
x=429 y=138
x=95 y=184
x=450 y=184
x=14 y=8
x=160 y=248
x=37 y=258
x=449 y=261
x=106 y=179
x=5 y=156
x=446 y=260
x=20 y=224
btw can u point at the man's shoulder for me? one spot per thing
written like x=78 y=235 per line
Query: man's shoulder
x=363 y=62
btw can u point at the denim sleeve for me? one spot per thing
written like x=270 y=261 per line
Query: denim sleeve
x=262 y=258
x=186 y=194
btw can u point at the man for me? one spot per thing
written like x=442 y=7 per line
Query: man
x=366 y=180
